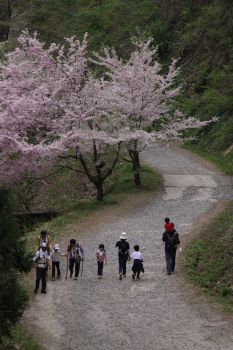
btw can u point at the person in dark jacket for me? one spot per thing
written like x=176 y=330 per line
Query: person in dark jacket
x=123 y=254
x=171 y=240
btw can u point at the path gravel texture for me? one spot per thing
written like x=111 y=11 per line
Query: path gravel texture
x=155 y=312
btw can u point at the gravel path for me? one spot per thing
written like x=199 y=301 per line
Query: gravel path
x=152 y=313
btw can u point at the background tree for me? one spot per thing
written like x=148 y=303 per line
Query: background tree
x=136 y=91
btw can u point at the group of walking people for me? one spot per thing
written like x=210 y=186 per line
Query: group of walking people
x=47 y=258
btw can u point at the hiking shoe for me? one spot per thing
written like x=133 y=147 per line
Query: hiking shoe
x=133 y=276
x=120 y=276
x=35 y=291
x=43 y=291
x=169 y=273
x=75 y=278
x=71 y=274
x=138 y=278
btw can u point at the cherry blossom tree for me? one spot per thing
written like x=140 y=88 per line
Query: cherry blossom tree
x=142 y=97
x=49 y=114
x=54 y=113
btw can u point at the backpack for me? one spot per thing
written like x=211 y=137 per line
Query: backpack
x=172 y=241
x=123 y=249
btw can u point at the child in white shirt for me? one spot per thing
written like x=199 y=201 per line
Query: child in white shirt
x=137 y=262
x=56 y=257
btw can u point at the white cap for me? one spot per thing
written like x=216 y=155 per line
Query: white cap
x=123 y=235
x=43 y=245
x=56 y=246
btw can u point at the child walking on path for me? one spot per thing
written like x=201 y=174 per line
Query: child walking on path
x=137 y=262
x=56 y=257
x=101 y=259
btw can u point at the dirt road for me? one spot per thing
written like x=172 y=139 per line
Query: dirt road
x=156 y=312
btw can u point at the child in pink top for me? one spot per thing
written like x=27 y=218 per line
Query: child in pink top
x=101 y=258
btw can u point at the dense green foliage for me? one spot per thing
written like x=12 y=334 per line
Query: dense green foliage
x=19 y=340
x=13 y=261
x=209 y=258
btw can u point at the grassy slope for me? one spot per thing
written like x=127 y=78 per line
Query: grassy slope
x=224 y=163
x=208 y=259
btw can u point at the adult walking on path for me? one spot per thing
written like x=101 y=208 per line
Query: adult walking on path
x=157 y=312
x=41 y=260
x=171 y=240
x=75 y=253
x=123 y=254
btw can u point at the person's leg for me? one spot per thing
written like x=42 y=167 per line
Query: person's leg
x=124 y=265
x=71 y=266
x=99 y=268
x=120 y=259
x=137 y=267
x=168 y=261
x=77 y=268
x=43 y=279
x=173 y=261
x=37 y=280
x=120 y=265
x=134 y=271
x=53 y=270
x=58 y=269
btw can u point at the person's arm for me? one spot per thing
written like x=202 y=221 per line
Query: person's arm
x=177 y=239
x=97 y=255
x=48 y=259
x=36 y=257
x=105 y=258
x=164 y=237
x=129 y=257
x=81 y=252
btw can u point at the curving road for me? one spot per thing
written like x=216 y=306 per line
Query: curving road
x=156 y=312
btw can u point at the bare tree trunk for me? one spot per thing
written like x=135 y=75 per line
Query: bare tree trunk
x=134 y=155
x=100 y=191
